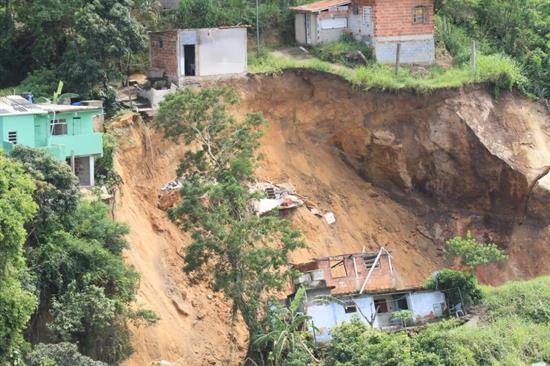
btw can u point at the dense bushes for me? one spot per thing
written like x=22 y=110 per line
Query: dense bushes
x=74 y=253
x=343 y=52
x=518 y=28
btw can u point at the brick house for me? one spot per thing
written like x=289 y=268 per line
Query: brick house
x=182 y=54
x=380 y=23
x=365 y=285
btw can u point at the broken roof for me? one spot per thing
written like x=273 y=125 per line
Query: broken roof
x=320 y=5
x=14 y=105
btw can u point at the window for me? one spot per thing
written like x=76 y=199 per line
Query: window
x=355 y=9
x=58 y=127
x=402 y=303
x=381 y=306
x=350 y=308
x=338 y=269
x=369 y=261
x=12 y=137
x=420 y=14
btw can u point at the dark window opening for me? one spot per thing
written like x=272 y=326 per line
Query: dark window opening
x=161 y=43
x=58 y=127
x=420 y=14
x=189 y=58
x=350 y=308
x=12 y=137
x=338 y=269
x=402 y=303
x=381 y=306
x=355 y=9
x=369 y=261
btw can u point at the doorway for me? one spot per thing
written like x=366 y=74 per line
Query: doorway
x=189 y=59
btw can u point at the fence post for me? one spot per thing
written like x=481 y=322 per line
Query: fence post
x=473 y=59
x=397 y=56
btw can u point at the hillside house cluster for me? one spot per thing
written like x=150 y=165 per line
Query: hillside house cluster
x=367 y=287
x=380 y=23
x=65 y=131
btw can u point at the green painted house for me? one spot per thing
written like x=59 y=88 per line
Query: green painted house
x=66 y=131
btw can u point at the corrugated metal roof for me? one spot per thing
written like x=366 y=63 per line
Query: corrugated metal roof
x=320 y=5
x=16 y=105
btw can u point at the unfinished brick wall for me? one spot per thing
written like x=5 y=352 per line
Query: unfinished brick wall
x=164 y=52
x=380 y=279
x=395 y=18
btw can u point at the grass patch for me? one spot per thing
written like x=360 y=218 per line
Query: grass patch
x=497 y=69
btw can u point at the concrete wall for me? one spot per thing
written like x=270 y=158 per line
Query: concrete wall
x=22 y=124
x=427 y=304
x=222 y=51
x=418 y=49
x=300 y=28
x=326 y=316
x=164 y=52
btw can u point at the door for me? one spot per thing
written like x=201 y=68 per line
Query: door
x=39 y=134
x=308 y=28
x=189 y=59
x=367 y=28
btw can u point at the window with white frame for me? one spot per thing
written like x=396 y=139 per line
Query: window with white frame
x=420 y=14
x=59 y=127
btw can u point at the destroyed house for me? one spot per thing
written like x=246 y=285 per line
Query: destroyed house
x=65 y=131
x=184 y=54
x=365 y=286
x=383 y=24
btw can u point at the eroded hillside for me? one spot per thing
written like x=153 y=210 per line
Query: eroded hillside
x=398 y=170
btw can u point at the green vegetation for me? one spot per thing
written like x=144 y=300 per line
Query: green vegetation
x=345 y=52
x=458 y=286
x=472 y=253
x=86 y=44
x=17 y=302
x=518 y=28
x=508 y=334
x=75 y=268
x=233 y=249
x=498 y=69
x=286 y=339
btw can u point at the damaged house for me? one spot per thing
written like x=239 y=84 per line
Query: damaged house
x=65 y=131
x=383 y=24
x=183 y=54
x=364 y=285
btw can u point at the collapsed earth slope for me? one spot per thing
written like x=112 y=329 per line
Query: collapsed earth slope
x=403 y=171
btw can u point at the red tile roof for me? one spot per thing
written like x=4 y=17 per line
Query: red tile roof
x=320 y=5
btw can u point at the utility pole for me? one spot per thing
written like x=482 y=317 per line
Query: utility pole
x=258 y=27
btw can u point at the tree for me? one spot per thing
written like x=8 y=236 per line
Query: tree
x=16 y=302
x=61 y=354
x=404 y=316
x=75 y=255
x=472 y=253
x=233 y=250
x=286 y=338
x=84 y=43
x=458 y=286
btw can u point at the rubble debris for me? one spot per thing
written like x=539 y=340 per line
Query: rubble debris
x=279 y=196
x=173 y=185
x=330 y=218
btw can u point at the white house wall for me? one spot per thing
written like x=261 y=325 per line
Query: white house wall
x=327 y=316
x=427 y=303
x=222 y=51
x=300 y=27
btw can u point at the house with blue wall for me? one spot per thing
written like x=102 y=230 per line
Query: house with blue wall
x=65 y=131
x=365 y=286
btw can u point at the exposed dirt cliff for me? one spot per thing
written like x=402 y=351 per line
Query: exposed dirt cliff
x=403 y=171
